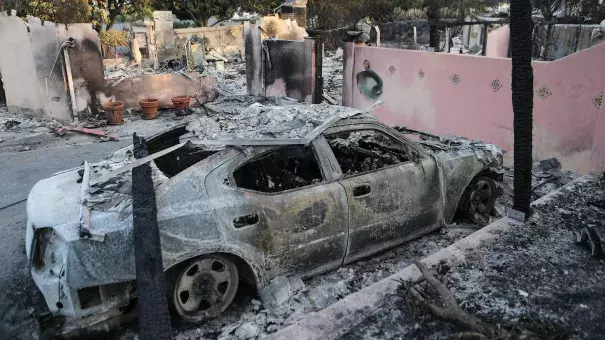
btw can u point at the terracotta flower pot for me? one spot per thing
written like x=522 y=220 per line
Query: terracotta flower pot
x=114 y=111
x=150 y=108
x=180 y=102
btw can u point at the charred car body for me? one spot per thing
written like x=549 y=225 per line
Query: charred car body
x=324 y=191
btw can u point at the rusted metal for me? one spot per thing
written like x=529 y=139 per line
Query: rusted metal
x=64 y=129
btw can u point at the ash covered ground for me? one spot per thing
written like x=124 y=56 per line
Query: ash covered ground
x=533 y=275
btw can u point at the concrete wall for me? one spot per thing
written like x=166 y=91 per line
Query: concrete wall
x=86 y=66
x=289 y=69
x=497 y=42
x=566 y=39
x=164 y=35
x=18 y=68
x=86 y=63
x=50 y=75
x=160 y=86
x=418 y=92
x=597 y=156
x=227 y=40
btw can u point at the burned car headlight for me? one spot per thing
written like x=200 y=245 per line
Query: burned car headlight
x=41 y=248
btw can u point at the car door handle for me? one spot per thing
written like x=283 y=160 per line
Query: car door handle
x=246 y=220
x=361 y=190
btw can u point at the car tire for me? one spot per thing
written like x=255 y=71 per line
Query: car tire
x=202 y=288
x=479 y=199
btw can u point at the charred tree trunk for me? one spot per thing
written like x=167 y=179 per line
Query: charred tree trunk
x=549 y=40
x=522 y=90
x=154 y=319
x=432 y=13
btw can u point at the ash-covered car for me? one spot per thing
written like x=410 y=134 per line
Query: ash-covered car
x=249 y=192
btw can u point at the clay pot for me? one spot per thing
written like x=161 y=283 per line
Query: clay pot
x=180 y=102
x=150 y=108
x=114 y=111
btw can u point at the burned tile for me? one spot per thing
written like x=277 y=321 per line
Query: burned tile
x=392 y=69
x=597 y=100
x=543 y=91
x=495 y=84
x=421 y=73
x=455 y=78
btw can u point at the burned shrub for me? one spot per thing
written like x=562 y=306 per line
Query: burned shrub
x=278 y=170
x=366 y=150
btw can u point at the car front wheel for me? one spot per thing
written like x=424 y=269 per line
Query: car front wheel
x=479 y=199
x=204 y=288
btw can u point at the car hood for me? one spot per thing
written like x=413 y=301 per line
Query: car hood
x=55 y=200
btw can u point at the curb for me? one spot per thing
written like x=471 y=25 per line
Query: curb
x=340 y=317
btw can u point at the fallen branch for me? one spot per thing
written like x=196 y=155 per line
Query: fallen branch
x=451 y=311
x=445 y=307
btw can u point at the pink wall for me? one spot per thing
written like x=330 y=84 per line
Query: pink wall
x=497 y=42
x=564 y=122
x=597 y=157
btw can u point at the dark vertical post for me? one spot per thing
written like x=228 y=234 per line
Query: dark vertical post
x=484 y=51
x=154 y=319
x=319 y=79
x=348 y=76
x=522 y=97
x=254 y=64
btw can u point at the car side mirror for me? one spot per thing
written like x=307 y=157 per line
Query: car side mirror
x=415 y=156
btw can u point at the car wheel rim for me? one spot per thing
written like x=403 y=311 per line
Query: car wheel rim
x=205 y=288
x=480 y=197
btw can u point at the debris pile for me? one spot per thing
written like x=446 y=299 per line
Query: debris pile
x=485 y=152
x=361 y=151
x=24 y=123
x=231 y=80
x=245 y=117
x=332 y=74
x=547 y=175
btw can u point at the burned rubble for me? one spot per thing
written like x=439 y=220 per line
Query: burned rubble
x=536 y=278
x=247 y=117
x=362 y=151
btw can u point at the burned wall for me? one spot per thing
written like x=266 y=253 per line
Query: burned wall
x=289 y=69
x=86 y=64
x=226 y=40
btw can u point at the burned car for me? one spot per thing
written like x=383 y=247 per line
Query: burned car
x=249 y=194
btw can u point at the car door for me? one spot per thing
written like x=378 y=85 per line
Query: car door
x=391 y=198
x=285 y=202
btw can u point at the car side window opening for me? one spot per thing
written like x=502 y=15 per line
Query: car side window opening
x=361 y=151
x=279 y=170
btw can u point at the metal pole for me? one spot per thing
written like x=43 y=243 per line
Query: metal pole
x=415 y=38
x=484 y=50
x=154 y=318
x=319 y=79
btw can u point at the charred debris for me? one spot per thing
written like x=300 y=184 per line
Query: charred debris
x=245 y=121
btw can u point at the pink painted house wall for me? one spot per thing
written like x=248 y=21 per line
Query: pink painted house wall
x=597 y=157
x=497 y=42
x=418 y=92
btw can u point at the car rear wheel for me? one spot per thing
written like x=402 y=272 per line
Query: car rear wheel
x=204 y=288
x=479 y=199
